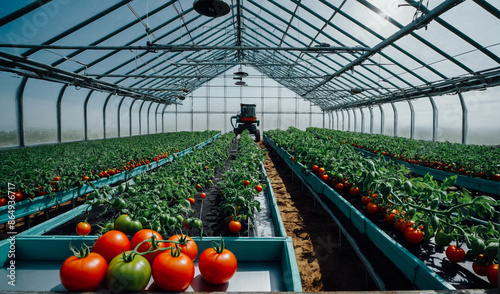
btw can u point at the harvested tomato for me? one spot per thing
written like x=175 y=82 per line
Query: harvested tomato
x=111 y=244
x=258 y=188
x=246 y=182
x=187 y=245
x=144 y=235
x=455 y=254
x=191 y=200
x=492 y=274
x=203 y=195
x=173 y=271
x=234 y=226
x=414 y=236
x=128 y=273
x=217 y=265
x=372 y=208
x=83 y=228
x=86 y=264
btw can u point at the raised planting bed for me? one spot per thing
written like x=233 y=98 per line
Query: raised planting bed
x=264 y=264
x=422 y=265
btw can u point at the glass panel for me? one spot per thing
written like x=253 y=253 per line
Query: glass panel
x=317 y=120
x=40 y=112
x=8 y=120
x=72 y=121
x=270 y=122
x=200 y=122
x=217 y=122
x=449 y=118
x=388 y=119
x=376 y=120
x=365 y=120
x=125 y=117
x=145 y=118
x=112 y=117
x=95 y=106
x=483 y=118
x=287 y=120
x=404 y=119
x=170 y=119
x=184 y=122
x=135 y=117
x=423 y=119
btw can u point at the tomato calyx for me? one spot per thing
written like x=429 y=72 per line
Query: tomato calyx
x=218 y=248
x=83 y=252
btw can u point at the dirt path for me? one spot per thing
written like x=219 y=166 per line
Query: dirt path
x=323 y=265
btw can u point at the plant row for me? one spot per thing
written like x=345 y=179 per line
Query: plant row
x=241 y=184
x=161 y=200
x=41 y=170
x=471 y=160
x=421 y=208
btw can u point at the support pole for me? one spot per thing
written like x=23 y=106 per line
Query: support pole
x=382 y=119
x=412 y=120
x=434 y=119
x=465 y=114
x=362 y=120
x=371 y=119
x=395 y=119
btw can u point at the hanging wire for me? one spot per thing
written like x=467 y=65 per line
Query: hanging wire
x=69 y=59
x=146 y=25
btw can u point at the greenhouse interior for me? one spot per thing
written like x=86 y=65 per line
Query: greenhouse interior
x=250 y=146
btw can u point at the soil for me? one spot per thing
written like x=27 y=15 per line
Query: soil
x=325 y=261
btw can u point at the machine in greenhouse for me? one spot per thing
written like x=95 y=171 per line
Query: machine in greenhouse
x=246 y=120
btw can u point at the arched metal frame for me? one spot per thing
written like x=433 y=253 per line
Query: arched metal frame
x=148 y=115
x=395 y=110
x=355 y=118
x=156 y=118
x=343 y=119
x=20 y=112
x=412 y=120
x=140 y=116
x=163 y=119
x=382 y=119
x=104 y=115
x=118 y=110
x=348 y=120
x=371 y=119
x=434 y=119
x=130 y=117
x=362 y=120
x=85 y=115
x=58 y=113
x=465 y=115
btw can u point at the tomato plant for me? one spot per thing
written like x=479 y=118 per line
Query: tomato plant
x=217 y=265
x=83 y=228
x=173 y=271
x=128 y=272
x=83 y=263
x=111 y=244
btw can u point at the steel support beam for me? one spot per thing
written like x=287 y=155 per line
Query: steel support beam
x=362 y=120
x=371 y=119
x=412 y=120
x=382 y=119
x=465 y=115
x=395 y=110
x=434 y=119
x=118 y=123
x=20 y=112
x=59 y=114
x=85 y=115
x=355 y=118
x=348 y=120
x=130 y=117
x=104 y=115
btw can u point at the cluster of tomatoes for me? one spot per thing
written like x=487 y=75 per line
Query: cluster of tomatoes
x=339 y=182
x=125 y=264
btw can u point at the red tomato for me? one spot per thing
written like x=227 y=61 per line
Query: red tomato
x=405 y=225
x=324 y=177
x=203 y=195
x=3 y=201
x=111 y=244
x=321 y=170
x=18 y=196
x=372 y=208
x=455 y=254
x=83 y=274
x=480 y=267
x=492 y=274
x=187 y=245
x=217 y=265
x=198 y=186
x=398 y=224
x=143 y=235
x=390 y=215
x=172 y=272
x=414 y=236
x=83 y=228
x=365 y=200
x=246 y=182
x=191 y=200
x=234 y=226
x=314 y=168
x=85 y=178
x=339 y=186
x=258 y=188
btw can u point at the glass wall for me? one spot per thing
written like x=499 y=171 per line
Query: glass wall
x=72 y=118
x=9 y=85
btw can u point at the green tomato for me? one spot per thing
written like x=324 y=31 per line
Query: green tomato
x=118 y=203
x=122 y=276
x=125 y=224
x=442 y=238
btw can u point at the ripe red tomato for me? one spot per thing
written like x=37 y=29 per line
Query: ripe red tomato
x=480 y=267
x=173 y=271
x=390 y=215
x=455 y=254
x=92 y=267
x=217 y=265
x=198 y=186
x=246 y=182
x=339 y=186
x=324 y=177
x=234 y=226
x=187 y=245
x=414 y=236
x=191 y=200
x=372 y=208
x=314 y=168
x=321 y=170
x=365 y=200
x=405 y=225
x=83 y=228
x=143 y=235
x=3 y=201
x=18 y=196
x=258 y=188
x=203 y=195
x=496 y=177
x=354 y=191
x=398 y=223
x=492 y=274
x=111 y=244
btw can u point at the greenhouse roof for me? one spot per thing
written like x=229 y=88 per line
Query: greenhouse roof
x=336 y=54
